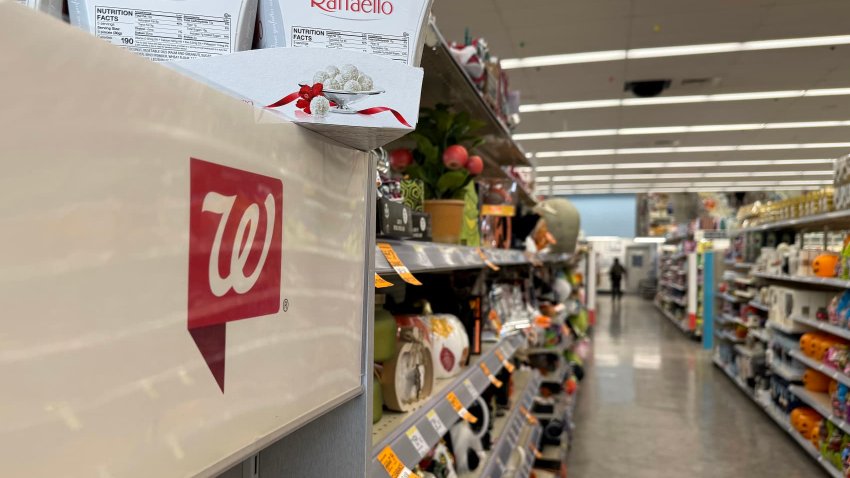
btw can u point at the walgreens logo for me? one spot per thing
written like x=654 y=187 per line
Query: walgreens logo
x=235 y=229
x=374 y=7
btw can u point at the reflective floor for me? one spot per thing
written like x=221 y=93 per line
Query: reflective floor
x=653 y=405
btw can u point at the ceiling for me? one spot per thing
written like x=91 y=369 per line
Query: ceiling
x=550 y=27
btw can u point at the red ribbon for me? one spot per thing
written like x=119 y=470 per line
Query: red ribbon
x=381 y=109
x=307 y=92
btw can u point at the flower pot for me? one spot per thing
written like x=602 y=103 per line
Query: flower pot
x=446 y=219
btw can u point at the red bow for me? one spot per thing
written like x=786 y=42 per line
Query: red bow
x=307 y=93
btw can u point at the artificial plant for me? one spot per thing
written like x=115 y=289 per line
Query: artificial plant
x=438 y=162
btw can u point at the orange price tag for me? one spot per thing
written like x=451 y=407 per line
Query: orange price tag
x=381 y=283
x=397 y=265
x=487 y=261
x=535 y=452
x=495 y=381
x=393 y=465
x=542 y=321
x=493 y=317
x=508 y=366
x=565 y=331
x=460 y=409
x=528 y=416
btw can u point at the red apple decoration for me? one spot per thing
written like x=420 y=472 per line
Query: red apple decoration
x=475 y=165
x=455 y=157
x=400 y=159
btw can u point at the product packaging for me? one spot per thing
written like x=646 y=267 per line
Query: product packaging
x=167 y=30
x=321 y=90
x=387 y=28
x=51 y=7
x=421 y=226
x=394 y=219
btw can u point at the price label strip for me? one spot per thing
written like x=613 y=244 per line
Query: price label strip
x=381 y=283
x=493 y=316
x=418 y=441
x=495 y=381
x=395 y=468
x=486 y=260
x=528 y=416
x=535 y=451
x=460 y=409
x=473 y=392
x=508 y=366
x=397 y=265
x=437 y=423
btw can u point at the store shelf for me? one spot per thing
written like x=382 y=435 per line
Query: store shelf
x=818 y=281
x=821 y=403
x=390 y=430
x=681 y=302
x=729 y=298
x=758 y=305
x=728 y=336
x=820 y=367
x=735 y=379
x=760 y=334
x=678 y=323
x=437 y=257
x=835 y=220
x=787 y=372
x=785 y=330
x=784 y=422
x=447 y=82
x=510 y=428
x=837 y=331
x=748 y=351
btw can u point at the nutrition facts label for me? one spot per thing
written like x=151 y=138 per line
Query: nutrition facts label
x=164 y=36
x=390 y=46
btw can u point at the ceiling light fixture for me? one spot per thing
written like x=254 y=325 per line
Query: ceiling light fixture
x=682 y=164
x=668 y=51
x=686 y=149
x=709 y=128
x=671 y=100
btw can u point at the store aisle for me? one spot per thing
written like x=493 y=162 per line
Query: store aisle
x=653 y=405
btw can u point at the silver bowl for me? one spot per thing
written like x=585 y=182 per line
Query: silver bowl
x=344 y=99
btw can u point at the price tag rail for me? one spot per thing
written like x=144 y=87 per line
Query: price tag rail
x=392 y=430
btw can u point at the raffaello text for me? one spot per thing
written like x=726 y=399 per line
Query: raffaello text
x=376 y=7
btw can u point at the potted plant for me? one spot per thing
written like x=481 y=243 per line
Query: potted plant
x=441 y=160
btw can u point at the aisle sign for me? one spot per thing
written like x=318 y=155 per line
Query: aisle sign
x=460 y=409
x=399 y=267
x=437 y=423
x=394 y=466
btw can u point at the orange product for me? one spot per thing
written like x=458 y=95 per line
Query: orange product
x=824 y=265
x=815 y=381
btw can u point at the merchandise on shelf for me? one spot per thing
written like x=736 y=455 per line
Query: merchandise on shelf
x=51 y=7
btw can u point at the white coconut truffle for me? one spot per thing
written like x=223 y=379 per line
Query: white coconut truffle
x=366 y=83
x=320 y=106
x=320 y=77
x=333 y=83
x=332 y=71
x=349 y=72
x=351 y=85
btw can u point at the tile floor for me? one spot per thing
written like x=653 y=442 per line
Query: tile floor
x=654 y=406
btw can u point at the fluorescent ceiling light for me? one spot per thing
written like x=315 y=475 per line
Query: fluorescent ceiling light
x=686 y=149
x=709 y=128
x=671 y=100
x=650 y=240
x=603 y=238
x=682 y=164
x=668 y=51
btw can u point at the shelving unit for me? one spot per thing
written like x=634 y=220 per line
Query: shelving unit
x=391 y=430
x=820 y=367
x=435 y=257
x=677 y=275
x=822 y=404
x=837 y=331
x=834 y=220
x=785 y=371
x=512 y=430
x=818 y=281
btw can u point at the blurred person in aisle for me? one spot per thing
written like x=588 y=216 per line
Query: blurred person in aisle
x=616 y=273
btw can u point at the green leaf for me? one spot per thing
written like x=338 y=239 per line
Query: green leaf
x=449 y=183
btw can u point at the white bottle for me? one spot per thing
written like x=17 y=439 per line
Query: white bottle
x=51 y=7
x=168 y=30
